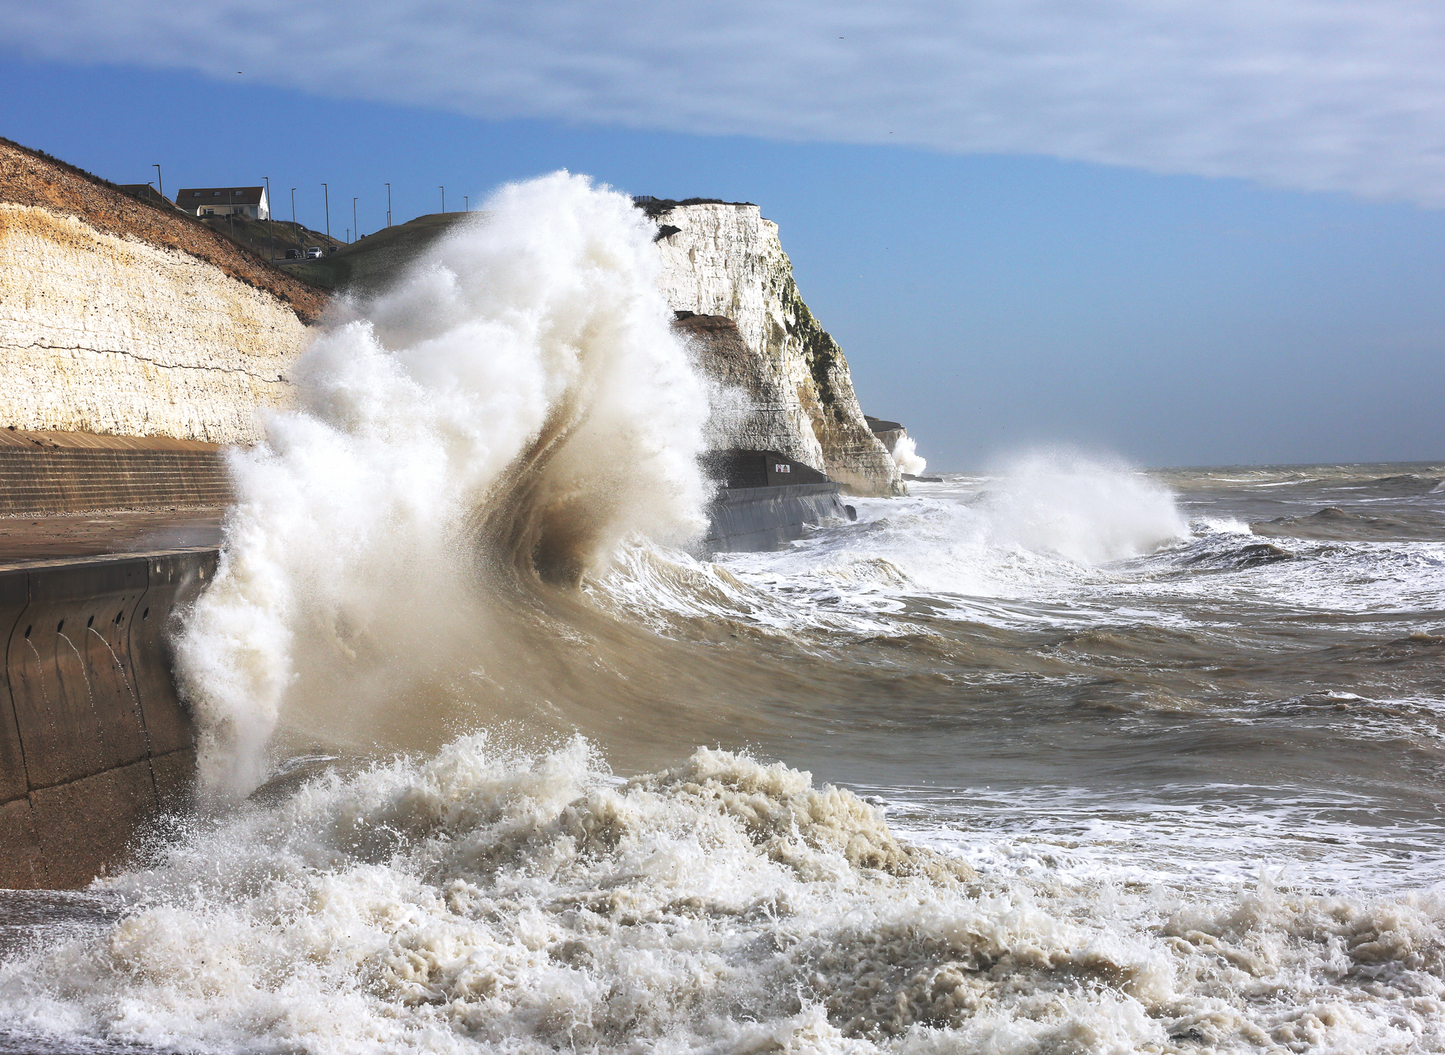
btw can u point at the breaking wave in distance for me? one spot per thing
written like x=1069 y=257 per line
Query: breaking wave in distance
x=907 y=458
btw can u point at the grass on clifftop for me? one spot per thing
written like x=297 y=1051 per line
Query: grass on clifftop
x=369 y=264
x=365 y=266
x=269 y=239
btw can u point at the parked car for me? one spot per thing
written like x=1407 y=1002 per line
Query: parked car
x=313 y=252
x=293 y=254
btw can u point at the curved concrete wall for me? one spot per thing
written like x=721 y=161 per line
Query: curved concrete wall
x=57 y=472
x=744 y=519
x=94 y=742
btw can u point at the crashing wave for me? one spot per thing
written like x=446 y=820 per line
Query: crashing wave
x=503 y=418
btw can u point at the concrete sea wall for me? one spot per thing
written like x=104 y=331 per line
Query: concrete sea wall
x=743 y=519
x=94 y=742
x=56 y=472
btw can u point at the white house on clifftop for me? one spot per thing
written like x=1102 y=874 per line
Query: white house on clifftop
x=224 y=201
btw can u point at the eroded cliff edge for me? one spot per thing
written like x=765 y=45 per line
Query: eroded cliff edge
x=724 y=259
x=120 y=317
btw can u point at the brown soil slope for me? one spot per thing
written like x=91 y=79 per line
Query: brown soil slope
x=31 y=178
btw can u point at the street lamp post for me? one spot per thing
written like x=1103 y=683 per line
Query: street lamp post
x=159 y=184
x=354 y=225
x=388 y=205
x=444 y=199
x=270 y=227
x=327 y=191
x=293 y=209
x=466 y=204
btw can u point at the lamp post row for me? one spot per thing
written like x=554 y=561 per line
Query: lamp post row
x=326 y=192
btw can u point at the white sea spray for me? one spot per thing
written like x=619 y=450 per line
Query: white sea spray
x=1207 y=872
x=906 y=457
x=517 y=403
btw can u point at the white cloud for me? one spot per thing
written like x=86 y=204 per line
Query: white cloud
x=1320 y=94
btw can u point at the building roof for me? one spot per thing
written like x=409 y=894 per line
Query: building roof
x=195 y=197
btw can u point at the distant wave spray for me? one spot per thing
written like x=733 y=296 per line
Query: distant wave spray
x=905 y=456
x=1082 y=509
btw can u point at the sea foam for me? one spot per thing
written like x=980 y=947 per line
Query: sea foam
x=495 y=898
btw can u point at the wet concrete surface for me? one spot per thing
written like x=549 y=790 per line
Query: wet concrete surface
x=45 y=538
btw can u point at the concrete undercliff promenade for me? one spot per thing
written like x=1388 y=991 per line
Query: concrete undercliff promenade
x=95 y=745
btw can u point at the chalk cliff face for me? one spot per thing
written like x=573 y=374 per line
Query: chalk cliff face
x=120 y=317
x=727 y=260
x=126 y=318
x=106 y=334
x=752 y=408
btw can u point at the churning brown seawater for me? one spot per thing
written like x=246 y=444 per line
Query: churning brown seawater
x=1099 y=760
x=1197 y=775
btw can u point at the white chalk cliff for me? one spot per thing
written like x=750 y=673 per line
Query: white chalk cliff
x=125 y=317
x=121 y=317
x=723 y=259
x=100 y=333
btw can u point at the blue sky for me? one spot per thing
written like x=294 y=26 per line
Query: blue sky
x=1185 y=234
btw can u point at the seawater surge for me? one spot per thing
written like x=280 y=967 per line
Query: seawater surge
x=1061 y=758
